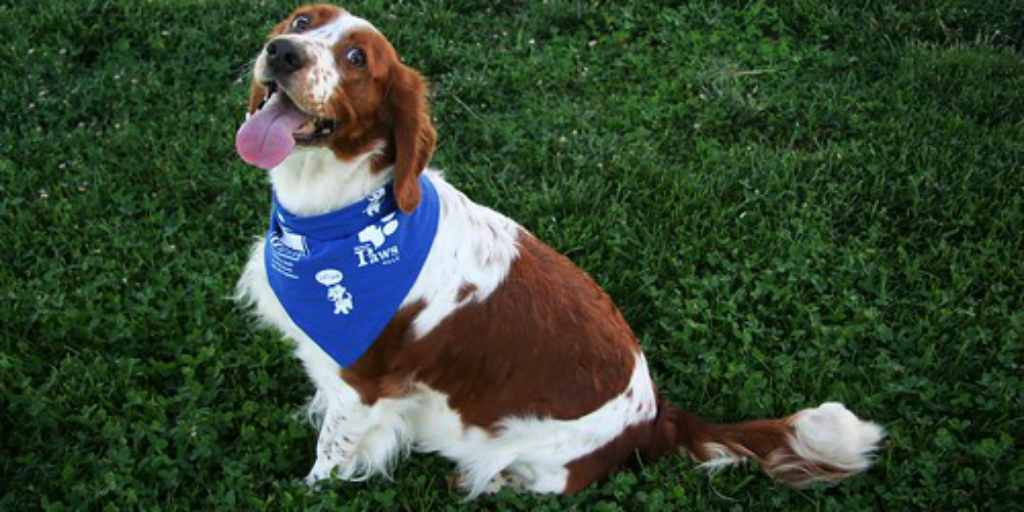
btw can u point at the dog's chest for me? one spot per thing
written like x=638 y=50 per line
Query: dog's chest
x=471 y=255
x=255 y=285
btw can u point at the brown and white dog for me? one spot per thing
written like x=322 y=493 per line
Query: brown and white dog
x=504 y=357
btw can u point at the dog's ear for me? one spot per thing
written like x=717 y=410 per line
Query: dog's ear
x=414 y=134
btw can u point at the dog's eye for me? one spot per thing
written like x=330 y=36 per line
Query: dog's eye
x=356 y=57
x=300 y=24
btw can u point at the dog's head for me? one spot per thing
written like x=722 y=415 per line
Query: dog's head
x=329 y=79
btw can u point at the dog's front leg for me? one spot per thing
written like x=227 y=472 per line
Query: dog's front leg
x=361 y=440
x=344 y=424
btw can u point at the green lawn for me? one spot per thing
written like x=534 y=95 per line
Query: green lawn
x=792 y=201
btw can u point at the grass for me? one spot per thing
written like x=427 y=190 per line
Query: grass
x=791 y=201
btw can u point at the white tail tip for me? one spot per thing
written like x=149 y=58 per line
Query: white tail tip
x=831 y=434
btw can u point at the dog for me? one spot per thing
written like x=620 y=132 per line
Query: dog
x=499 y=353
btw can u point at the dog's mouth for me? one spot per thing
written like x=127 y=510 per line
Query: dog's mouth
x=277 y=126
x=313 y=131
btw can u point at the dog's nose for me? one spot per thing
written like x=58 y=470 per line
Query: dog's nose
x=283 y=56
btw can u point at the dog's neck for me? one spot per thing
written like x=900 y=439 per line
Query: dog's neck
x=314 y=181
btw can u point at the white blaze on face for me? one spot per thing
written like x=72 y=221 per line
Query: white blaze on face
x=323 y=75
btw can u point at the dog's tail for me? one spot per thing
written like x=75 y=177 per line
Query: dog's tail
x=825 y=444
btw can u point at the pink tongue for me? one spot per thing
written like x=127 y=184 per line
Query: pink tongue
x=265 y=139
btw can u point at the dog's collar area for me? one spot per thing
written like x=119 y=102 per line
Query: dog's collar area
x=343 y=222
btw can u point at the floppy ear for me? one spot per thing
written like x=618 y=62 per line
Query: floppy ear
x=414 y=134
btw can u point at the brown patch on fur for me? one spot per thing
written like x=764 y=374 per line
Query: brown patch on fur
x=382 y=104
x=358 y=103
x=465 y=291
x=619 y=454
x=547 y=343
x=372 y=376
x=414 y=135
x=319 y=14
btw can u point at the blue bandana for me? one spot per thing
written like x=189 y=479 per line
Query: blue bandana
x=342 y=276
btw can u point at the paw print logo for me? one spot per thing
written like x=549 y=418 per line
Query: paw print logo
x=336 y=293
x=378 y=234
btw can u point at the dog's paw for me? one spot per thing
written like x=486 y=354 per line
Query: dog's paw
x=321 y=472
